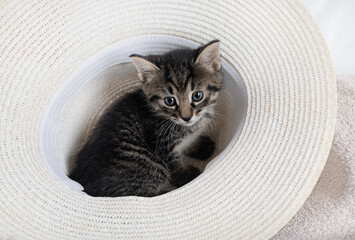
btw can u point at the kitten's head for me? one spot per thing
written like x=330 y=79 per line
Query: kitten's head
x=182 y=85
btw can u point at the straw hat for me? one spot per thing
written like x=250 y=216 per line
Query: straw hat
x=275 y=140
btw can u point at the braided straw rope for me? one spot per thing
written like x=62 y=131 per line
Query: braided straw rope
x=263 y=179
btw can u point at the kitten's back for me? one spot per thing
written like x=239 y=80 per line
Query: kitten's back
x=117 y=161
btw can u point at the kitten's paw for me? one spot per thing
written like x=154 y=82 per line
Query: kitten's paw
x=166 y=188
x=186 y=175
x=203 y=149
x=195 y=163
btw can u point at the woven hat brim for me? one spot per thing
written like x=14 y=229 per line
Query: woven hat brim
x=262 y=181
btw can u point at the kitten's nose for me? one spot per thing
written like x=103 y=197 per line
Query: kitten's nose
x=186 y=119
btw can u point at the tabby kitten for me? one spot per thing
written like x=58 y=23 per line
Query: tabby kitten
x=151 y=141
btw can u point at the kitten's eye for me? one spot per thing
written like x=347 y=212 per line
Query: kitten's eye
x=169 y=101
x=197 y=96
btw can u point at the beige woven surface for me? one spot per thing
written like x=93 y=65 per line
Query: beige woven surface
x=260 y=184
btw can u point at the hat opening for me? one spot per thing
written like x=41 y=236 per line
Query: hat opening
x=87 y=93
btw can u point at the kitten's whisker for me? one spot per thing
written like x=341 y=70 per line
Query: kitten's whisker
x=163 y=126
x=215 y=125
x=172 y=132
x=167 y=129
x=159 y=133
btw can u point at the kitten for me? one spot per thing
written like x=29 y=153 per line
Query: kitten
x=151 y=141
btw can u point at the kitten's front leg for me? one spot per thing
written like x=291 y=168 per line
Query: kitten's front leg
x=202 y=149
x=185 y=175
x=190 y=162
x=199 y=153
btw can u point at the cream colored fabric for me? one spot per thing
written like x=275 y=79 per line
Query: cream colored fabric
x=252 y=193
x=329 y=212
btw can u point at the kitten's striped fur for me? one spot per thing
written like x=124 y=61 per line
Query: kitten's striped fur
x=144 y=147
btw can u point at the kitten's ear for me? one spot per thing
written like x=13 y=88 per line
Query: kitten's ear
x=145 y=68
x=209 y=56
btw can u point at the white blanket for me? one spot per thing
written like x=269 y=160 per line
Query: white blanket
x=329 y=212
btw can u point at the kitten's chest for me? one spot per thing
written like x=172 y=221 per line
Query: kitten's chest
x=186 y=142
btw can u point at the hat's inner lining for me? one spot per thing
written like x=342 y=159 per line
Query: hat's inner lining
x=107 y=76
